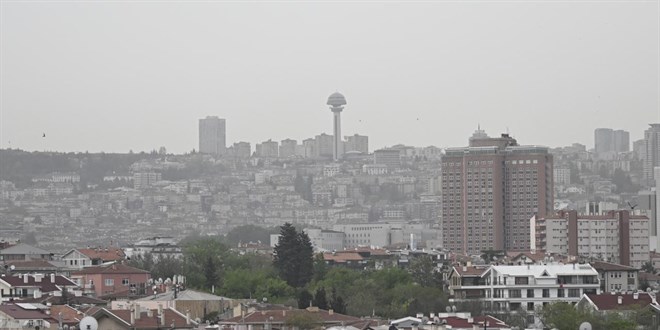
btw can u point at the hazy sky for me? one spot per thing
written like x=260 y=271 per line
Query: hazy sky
x=119 y=75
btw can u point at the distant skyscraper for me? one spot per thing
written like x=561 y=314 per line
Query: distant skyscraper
x=389 y=157
x=607 y=140
x=651 y=152
x=242 y=150
x=603 y=140
x=336 y=101
x=212 y=135
x=621 y=140
x=491 y=189
x=356 y=143
x=324 y=146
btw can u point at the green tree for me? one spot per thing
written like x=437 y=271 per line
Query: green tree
x=424 y=272
x=303 y=321
x=293 y=257
x=210 y=272
x=337 y=302
x=320 y=268
x=305 y=299
x=320 y=300
x=648 y=267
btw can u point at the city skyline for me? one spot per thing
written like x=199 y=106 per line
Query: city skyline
x=268 y=68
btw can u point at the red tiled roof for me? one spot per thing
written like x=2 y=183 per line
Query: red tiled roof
x=611 y=301
x=69 y=314
x=146 y=322
x=110 y=269
x=608 y=266
x=470 y=270
x=342 y=256
x=280 y=317
x=18 y=313
x=105 y=254
x=31 y=264
x=45 y=285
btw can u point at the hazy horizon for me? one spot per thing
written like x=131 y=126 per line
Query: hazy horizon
x=115 y=76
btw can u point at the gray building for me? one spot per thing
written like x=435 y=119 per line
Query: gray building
x=651 y=152
x=212 y=135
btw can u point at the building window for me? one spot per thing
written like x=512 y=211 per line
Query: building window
x=546 y=293
x=522 y=280
x=530 y=306
x=530 y=293
x=560 y=293
x=109 y=282
x=124 y=282
x=573 y=293
x=514 y=294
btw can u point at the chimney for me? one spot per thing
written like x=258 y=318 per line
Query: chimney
x=465 y=268
x=188 y=317
x=619 y=300
x=475 y=327
x=133 y=316
x=37 y=278
x=636 y=295
x=161 y=315
x=52 y=277
x=25 y=278
x=138 y=311
x=37 y=294
x=330 y=311
x=160 y=309
x=150 y=313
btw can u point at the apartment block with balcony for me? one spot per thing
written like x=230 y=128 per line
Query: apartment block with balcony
x=522 y=287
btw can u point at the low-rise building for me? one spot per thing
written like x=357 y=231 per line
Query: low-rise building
x=112 y=279
x=615 y=277
x=522 y=287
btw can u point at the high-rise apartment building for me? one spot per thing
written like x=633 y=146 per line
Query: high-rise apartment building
x=491 y=189
x=607 y=140
x=267 y=149
x=651 y=152
x=324 y=146
x=288 y=148
x=212 y=135
x=356 y=143
x=616 y=237
x=241 y=150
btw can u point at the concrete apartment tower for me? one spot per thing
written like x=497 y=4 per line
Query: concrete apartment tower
x=212 y=135
x=491 y=190
x=336 y=101
x=651 y=153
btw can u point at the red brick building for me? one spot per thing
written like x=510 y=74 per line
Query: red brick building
x=491 y=189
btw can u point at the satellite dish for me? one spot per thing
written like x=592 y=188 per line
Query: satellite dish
x=88 y=323
x=585 y=326
x=12 y=267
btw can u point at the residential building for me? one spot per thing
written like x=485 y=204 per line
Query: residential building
x=267 y=149
x=356 y=142
x=277 y=319
x=324 y=146
x=616 y=237
x=490 y=190
x=143 y=180
x=615 y=277
x=23 y=251
x=197 y=303
x=242 y=150
x=288 y=148
x=212 y=135
x=389 y=157
x=158 y=247
x=112 y=279
x=374 y=169
x=523 y=287
x=81 y=258
x=25 y=316
x=620 y=303
x=651 y=152
x=621 y=141
x=21 y=286
x=561 y=175
x=138 y=318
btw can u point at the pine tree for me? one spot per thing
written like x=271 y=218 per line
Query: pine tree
x=320 y=299
x=293 y=257
x=337 y=303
